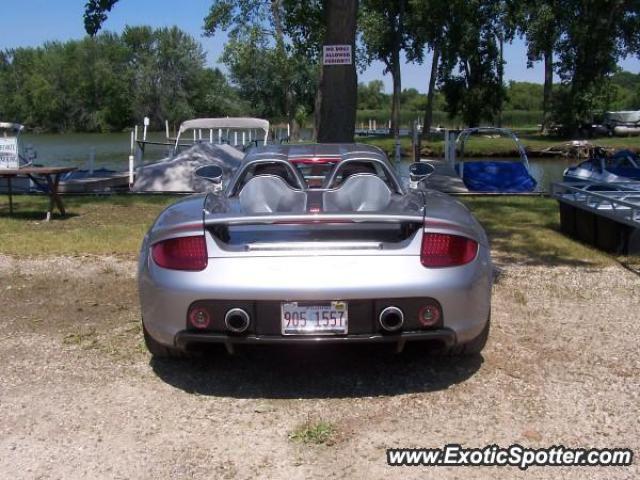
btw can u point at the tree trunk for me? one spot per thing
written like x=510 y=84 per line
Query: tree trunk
x=428 y=114
x=285 y=86
x=548 y=89
x=397 y=89
x=339 y=83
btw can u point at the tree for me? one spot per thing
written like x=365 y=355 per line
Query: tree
x=95 y=14
x=539 y=22
x=315 y=22
x=595 y=35
x=471 y=69
x=109 y=81
x=337 y=95
x=371 y=96
x=273 y=76
x=430 y=26
x=385 y=35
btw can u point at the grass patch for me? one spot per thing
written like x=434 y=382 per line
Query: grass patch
x=97 y=225
x=527 y=230
x=85 y=339
x=314 y=433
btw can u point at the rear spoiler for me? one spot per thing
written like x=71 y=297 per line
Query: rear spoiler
x=437 y=225
x=300 y=218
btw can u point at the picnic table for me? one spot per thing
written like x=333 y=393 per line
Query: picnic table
x=50 y=175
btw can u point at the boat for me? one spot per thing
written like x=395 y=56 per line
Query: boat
x=89 y=180
x=622 y=166
x=622 y=123
x=199 y=142
x=605 y=215
x=494 y=176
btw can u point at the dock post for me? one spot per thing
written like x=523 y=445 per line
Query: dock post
x=415 y=142
x=166 y=129
x=131 y=168
x=144 y=131
x=92 y=159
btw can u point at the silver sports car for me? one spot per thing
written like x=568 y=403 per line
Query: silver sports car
x=315 y=244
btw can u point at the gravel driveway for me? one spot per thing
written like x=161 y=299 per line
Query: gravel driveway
x=81 y=398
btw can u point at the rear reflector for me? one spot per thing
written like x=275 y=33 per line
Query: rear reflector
x=442 y=250
x=184 y=253
x=199 y=317
x=429 y=315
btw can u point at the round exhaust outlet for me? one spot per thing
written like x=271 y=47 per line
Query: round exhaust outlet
x=237 y=320
x=391 y=319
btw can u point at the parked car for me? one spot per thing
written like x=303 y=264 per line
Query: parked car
x=315 y=244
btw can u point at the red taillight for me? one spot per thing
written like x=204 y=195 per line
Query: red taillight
x=184 y=253
x=442 y=250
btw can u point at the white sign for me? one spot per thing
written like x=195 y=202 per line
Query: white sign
x=337 y=55
x=9 y=152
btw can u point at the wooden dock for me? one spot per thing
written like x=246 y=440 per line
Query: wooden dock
x=444 y=179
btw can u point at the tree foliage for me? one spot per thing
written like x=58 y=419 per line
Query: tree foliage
x=386 y=32
x=275 y=77
x=471 y=70
x=95 y=14
x=595 y=35
x=111 y=81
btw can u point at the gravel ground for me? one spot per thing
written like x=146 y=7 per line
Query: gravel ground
x=81 y=398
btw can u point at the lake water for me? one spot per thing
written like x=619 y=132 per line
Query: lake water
x=112 y=151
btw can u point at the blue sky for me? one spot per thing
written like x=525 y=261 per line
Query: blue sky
x=32 y=22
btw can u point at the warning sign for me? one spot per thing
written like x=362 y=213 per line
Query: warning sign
x=9 y=153
x=337 y=55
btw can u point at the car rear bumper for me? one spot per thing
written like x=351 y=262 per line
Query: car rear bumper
x=186 y=339
x=464 y=293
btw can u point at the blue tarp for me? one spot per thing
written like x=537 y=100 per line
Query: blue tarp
x=627 y=170
x=503 y=177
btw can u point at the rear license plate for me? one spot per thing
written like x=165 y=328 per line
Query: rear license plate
x=303 y=318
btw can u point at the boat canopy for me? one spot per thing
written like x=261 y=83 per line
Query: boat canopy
x=178 y=174
x=623 y=118
x=14 y=127
x=237 y=123
x=490 y=176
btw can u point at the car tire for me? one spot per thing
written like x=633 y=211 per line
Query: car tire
x=474 y=346
x=158 y=350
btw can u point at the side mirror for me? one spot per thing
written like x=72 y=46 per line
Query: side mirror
x=420 y=171
x=213 y=173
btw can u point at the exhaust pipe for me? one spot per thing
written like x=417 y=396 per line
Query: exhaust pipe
x=237 y=320
x=391 y=319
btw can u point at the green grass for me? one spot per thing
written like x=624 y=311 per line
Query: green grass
x=314 y=433
x=102 y=225
x=527 y=230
